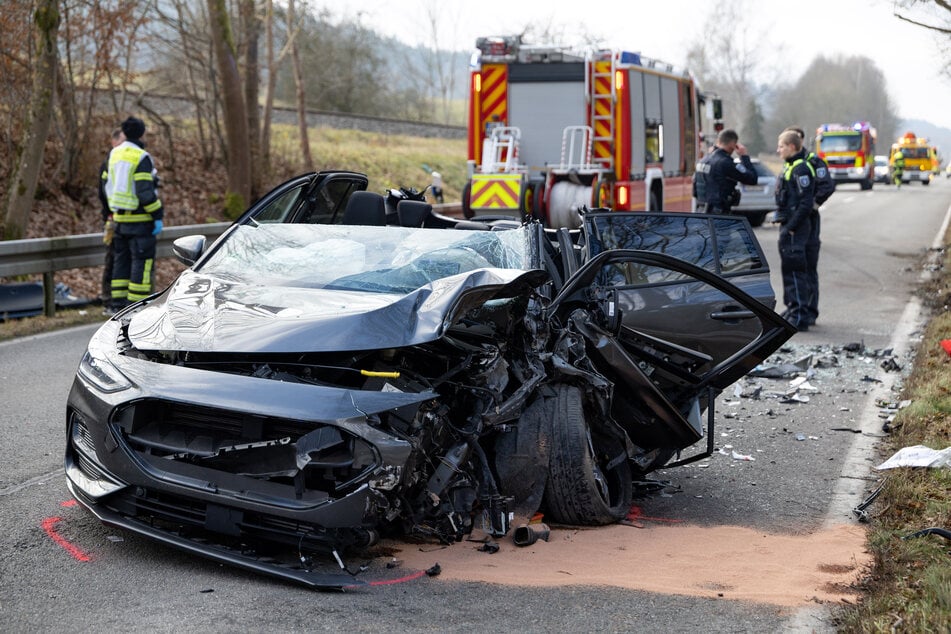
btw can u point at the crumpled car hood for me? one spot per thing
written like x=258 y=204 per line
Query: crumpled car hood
x=210 y=314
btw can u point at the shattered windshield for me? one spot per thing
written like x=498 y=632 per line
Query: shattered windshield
x=374 y=259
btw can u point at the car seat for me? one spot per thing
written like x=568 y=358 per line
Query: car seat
x=412 y=213
x=365 y=208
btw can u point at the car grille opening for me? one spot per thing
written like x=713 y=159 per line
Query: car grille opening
x=230 y=527
x=302 y=456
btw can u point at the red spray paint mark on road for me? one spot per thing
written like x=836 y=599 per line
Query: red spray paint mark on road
x=636 y=513
x=49 y=527
x=68 y=504
x=389 y=582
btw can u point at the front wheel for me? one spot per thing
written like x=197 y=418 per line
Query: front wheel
x=589 y=480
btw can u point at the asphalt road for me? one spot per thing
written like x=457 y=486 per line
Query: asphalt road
x=873 y=246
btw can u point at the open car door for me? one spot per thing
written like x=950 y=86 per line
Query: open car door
x=669 y=334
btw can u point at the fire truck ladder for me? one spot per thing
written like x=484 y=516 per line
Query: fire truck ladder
x=599 y=78
x=500 y=150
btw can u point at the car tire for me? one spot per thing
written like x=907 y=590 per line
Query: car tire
x=581 y=488
x=757 y=220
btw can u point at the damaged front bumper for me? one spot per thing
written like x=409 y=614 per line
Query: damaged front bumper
x=213 y=463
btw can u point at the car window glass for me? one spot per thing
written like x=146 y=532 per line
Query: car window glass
x=681 y=236
x=761 y=170
x=278 y=209
x=736 y=248
x=328 y=203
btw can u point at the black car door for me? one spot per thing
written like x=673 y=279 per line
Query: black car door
x=665 y=373
x=696 y=282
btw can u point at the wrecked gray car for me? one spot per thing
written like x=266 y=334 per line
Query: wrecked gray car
x=329 y=372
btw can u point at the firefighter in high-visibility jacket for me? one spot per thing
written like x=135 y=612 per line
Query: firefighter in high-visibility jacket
x=137 y=213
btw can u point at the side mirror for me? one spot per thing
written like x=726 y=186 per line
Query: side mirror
x=188 y=249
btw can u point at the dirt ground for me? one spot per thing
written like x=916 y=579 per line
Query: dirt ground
x=652 y=555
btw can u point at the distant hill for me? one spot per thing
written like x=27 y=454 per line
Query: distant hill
x=940 y=137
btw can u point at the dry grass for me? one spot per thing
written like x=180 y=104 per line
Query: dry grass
x=63 y=319
x=909 y=588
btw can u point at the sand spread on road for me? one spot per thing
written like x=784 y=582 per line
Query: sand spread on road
x=724 y=561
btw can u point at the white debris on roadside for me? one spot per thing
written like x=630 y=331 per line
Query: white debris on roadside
x=918 y=456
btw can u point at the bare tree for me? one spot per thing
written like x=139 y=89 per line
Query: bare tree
x=252 y=89
x=441 y=62
x=182 y=45
x=234 y=107
x=930 y=14
x=272 y=64
x=934 y=15
x=301 y=96
x=98 y=40
x=838 y=90
x=729 y=63
x=46 y=19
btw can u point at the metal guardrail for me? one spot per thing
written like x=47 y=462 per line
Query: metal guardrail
x=48 y=255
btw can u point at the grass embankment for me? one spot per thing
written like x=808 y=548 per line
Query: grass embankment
x=388 y=160
x=63 y=319
x=909 y=588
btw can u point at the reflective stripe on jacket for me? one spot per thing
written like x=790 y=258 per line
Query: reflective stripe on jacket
x=120 y=185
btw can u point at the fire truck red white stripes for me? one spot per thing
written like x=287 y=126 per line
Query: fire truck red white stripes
x=553 y=128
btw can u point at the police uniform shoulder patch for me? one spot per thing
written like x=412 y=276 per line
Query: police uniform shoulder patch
x=822 y=172
x=741 y=168
x=804 y=180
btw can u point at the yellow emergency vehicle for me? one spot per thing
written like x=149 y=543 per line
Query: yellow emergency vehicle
x=918 y=158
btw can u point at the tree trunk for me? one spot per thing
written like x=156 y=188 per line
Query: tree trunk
x=69 y=118
x=27 y=171
x=235 y=110
x=301 y=97
x=271 y=85
x=252 y=91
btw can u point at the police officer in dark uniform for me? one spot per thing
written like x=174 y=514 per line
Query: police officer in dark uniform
x=717 y=174
x=795 y=200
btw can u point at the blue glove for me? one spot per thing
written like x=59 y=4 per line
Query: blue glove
x=158 y=228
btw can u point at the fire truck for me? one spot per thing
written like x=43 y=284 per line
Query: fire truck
x=918 y=161
x=552 y=129
x=849 y=151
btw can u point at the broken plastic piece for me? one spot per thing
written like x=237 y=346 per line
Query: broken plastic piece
x=528 y=534
x=934 y=530
x=859 y=510
x=946 y=344
x=434 y=571
x=890 y=365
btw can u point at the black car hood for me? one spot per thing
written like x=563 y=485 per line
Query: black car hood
x=210 y=314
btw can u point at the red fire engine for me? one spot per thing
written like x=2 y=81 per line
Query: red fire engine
x=552 y=129
x=849 y=151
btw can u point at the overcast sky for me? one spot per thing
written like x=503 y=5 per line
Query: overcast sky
x=788 y=33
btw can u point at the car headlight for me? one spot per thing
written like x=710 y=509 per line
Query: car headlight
x=103 y=375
